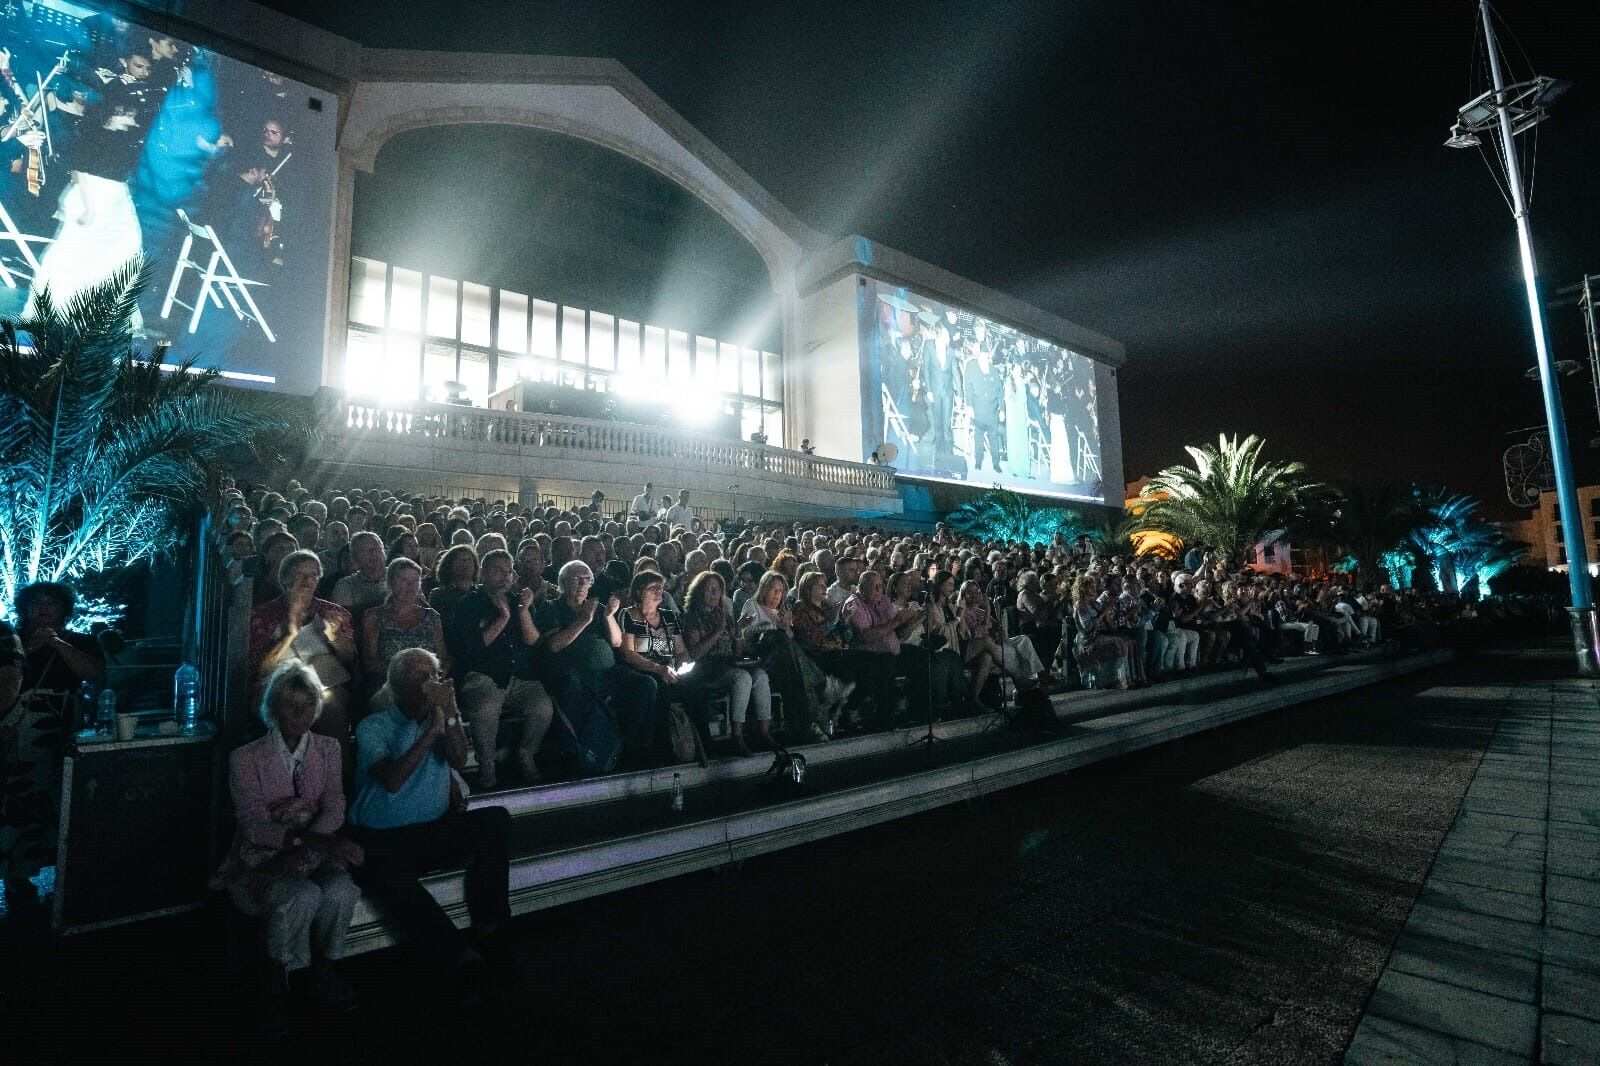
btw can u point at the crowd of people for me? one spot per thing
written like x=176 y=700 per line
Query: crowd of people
x=400 y=645
x=543 y=618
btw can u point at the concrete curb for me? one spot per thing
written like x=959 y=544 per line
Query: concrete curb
x=571 y=874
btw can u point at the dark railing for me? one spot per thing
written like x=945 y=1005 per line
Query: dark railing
x=219 y=642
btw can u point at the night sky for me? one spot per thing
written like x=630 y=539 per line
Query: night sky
x=1260 y=209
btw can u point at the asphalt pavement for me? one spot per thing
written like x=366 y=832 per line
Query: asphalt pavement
x=1232 y=897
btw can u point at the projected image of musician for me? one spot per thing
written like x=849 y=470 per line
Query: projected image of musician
x=984 y=397
x=963 y=398
x=118 y=141
x=99 y=228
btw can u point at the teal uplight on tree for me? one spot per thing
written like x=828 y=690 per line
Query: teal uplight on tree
x=103 y=455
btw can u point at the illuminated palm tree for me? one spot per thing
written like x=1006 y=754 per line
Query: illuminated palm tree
x=1230 y=499
x=1003 y=515
x=1368 y=522
x=1452 y=540
x=102 y=454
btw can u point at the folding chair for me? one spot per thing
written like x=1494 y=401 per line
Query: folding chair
x=9 y=233
x=218 y=276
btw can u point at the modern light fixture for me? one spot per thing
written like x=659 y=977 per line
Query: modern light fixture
x=1505 y=111
x=1524 y=104
x=1565 y=367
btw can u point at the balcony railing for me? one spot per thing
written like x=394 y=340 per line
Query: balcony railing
x=518 y=431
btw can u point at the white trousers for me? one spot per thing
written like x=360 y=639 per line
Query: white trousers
x=1019 y=659
x=99 y=234
x=302 y=910
x=1183 y=648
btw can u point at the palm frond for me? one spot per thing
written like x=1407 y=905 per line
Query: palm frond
x=1230 y=499
x=102 y=454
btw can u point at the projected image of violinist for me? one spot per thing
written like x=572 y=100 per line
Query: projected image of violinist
x=119 y=141
x=965 y=399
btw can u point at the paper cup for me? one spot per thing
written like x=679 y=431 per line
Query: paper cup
x=127 y=725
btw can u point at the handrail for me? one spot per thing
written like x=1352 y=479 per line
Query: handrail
x=349 y=416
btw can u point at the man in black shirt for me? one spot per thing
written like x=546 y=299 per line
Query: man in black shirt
x=578 y=661
x=592 y=551
x=491 y=631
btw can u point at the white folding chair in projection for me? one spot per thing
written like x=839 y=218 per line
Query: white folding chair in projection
x=218 y=275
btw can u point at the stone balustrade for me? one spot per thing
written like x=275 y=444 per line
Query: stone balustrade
x=527 y=434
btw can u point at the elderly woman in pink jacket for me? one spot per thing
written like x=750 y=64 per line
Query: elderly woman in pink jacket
x=286 y=865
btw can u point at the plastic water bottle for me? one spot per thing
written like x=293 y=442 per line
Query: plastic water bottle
x=106 y=722
x=185 y=698
x=86 y=706
x=677 y=793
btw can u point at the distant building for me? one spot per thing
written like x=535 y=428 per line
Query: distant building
x=1541 y=530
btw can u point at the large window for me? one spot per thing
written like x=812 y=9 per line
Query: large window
x=412 y=335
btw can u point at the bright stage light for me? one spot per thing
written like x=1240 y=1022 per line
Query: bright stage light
x=628 y=386
x=698 y=408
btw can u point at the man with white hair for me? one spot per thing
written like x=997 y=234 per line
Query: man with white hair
x=410 y=817
x=1184 y=634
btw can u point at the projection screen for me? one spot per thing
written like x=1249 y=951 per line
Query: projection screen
x=962 y=398
x=119 y=141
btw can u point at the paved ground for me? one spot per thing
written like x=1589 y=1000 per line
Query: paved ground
x=1229 y=898
x=1499 y=960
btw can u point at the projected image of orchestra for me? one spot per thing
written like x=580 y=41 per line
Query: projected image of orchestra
x=964 y=399
x=118 y=140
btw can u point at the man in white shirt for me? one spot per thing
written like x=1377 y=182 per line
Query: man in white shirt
x=680 y=513
x=644 y=504
x=848 y=572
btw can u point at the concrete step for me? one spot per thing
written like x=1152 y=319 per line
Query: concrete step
x=747 y=822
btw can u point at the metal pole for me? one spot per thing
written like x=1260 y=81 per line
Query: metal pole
x=1586 y=305
x=1586 y=639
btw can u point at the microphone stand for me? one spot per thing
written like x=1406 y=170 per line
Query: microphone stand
x=998 y=620
x=928 y=738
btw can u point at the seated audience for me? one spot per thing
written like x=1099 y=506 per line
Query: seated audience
x=403 y=620
x=455 y=575
x=714 y=646
x=876 y=623
x=409 y=816
x=766 y=626
x=493 y=633
x=316 y=632
x=578 y=663
x=652 y=636
x=287 y=865
x=362 y=588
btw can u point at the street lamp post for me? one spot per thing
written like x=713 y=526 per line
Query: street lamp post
x=1511 y=110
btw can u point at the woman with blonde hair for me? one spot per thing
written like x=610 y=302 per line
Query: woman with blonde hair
x=287 y=865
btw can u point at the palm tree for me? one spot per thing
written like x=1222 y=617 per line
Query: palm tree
x=1120 y=536
x=1368 y=521
x=103 y=455
x=1003 y=515
x=1454 y=541
x=1230 y=499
